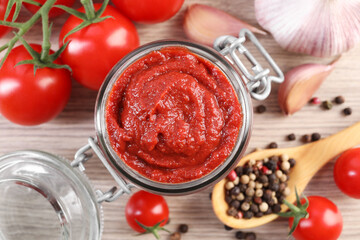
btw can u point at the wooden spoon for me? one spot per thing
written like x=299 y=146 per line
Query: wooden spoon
x=309 y=159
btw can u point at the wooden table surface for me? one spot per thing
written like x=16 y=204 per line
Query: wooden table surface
x=75 y=124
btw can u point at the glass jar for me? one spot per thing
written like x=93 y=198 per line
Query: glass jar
x=34 y=184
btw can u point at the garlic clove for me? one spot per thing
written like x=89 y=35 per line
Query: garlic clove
x=300 y=84
x=315 y=27
x=204 y=24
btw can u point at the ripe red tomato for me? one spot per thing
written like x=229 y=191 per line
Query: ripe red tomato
x=29 y=99
x=95 y=49
x=146 y=208
x=324 y=222
x=3 y=4
x=54 y=12
x=347 y=172
x=146 y=11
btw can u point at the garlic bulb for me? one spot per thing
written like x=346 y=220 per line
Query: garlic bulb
x=317 y=27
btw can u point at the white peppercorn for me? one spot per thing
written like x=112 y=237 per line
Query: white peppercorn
x=252 y=184
x=240 y=197
x=283 y=178
x=236 y=181
x=245 y=179
x=258 y=185
x=229 y=185
x=263 y=207
x=250 y=192
x=285 y=166
x=287 y=191
x=284 y=157
x=278 y=173
x=259 y=192
x=245 y=206
x=252 y=176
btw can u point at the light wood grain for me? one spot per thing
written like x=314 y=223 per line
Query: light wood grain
x=70 y=130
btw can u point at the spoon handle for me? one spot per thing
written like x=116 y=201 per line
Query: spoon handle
x=315 y=155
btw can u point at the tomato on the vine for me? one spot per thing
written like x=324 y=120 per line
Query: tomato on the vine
x=54 y=12
x=347 y=172
x=3 y=4
x=95 y=49
x=145 y=11
x=147 y=209
x=29 y=98
x=324 y=221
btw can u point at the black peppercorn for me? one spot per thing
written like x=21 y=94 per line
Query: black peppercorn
x=228 y=199
x=183 y=228
x=306 y=138
x=235 y=204
x=273 y=145
x=240 y=235
x=247 y=170
x=250 y=236
x=339 y=100
x=274 y=187
x=260 y=109
x=227 y=228
x=272 y=178
x=291 y=137
x=315 y=137
x=292 y=162
x=271 y=165
x=327 y=105
x=254 y=208
x=239 y=170
x=232 y=212
x=235 y=191
x=276 y=208
x=210 y=195
x=263 y=179
x=267 y=195
x=347 y=111
x=248 y=215
x=275 y=158
x=259 y=214
x=242 y=187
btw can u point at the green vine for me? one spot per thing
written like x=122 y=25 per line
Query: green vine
x=44 y=58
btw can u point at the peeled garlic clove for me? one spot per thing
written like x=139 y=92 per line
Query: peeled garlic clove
x=300 y=84
x=204 y=24
x=316 y=27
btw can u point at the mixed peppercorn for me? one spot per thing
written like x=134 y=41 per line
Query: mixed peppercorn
x=259 y=187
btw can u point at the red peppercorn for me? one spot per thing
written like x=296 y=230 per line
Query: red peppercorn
x=232 y=175
x=315 y=100
x=264 y=169
x=240 y=215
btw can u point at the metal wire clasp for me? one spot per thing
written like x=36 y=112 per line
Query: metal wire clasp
x=81 y=156
x=258 y=83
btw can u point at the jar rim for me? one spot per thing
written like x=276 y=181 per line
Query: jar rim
x=174 y=188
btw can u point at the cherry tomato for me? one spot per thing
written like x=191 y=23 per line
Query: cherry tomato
x=347 y=172
x=324 y=222
x=30 y=99
x=148 y=11
x=146 y=208
x=3 y=4
x=54 y=12
x=95 y=49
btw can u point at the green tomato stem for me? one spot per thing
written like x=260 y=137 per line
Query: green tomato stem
x=89 y=9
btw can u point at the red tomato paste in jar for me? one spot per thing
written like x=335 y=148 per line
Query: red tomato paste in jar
x=173 y=116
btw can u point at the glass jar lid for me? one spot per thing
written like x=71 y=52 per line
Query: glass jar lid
x=44 y=198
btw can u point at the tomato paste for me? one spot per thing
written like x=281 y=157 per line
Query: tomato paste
x=173 y=116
